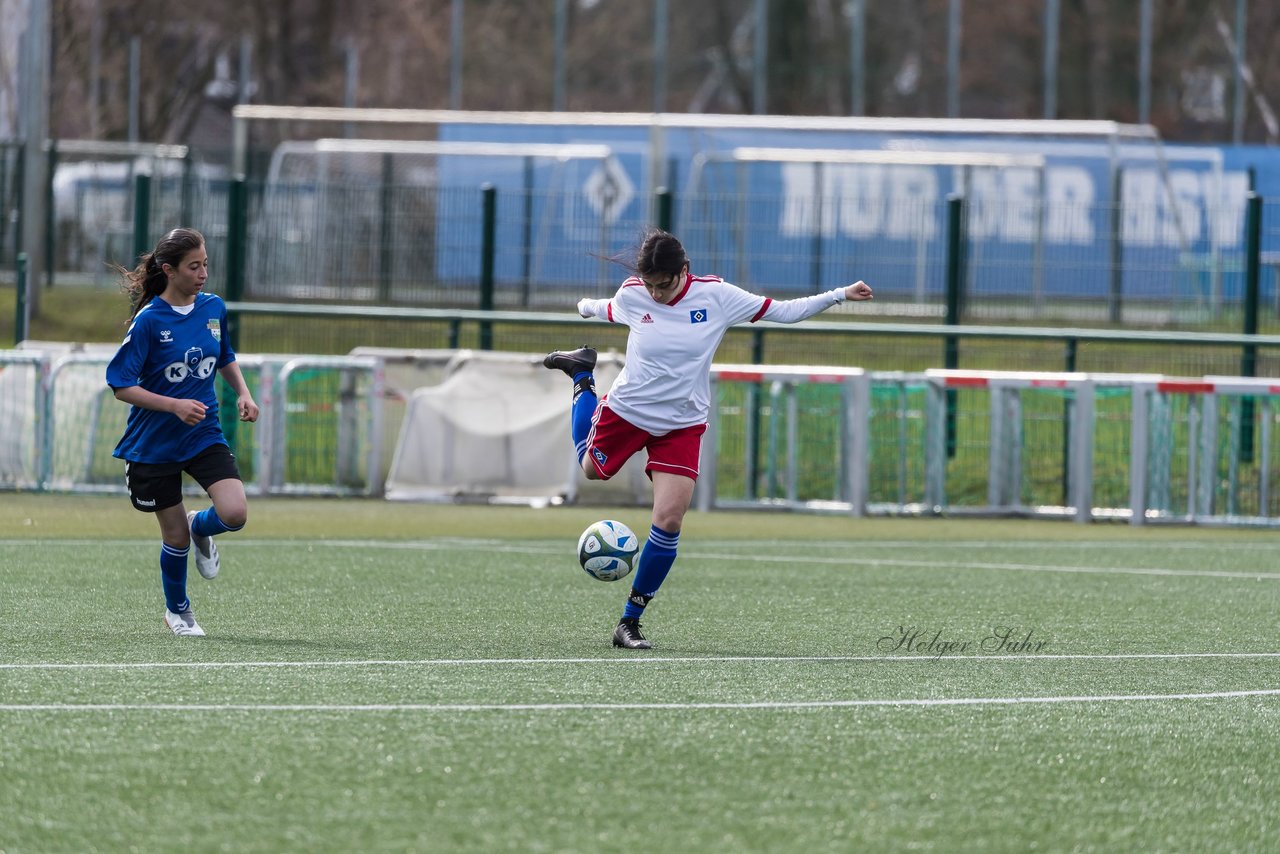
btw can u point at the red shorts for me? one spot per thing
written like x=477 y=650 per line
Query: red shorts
x=612 y=441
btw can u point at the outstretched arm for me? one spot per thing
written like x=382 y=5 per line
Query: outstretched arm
x=796 y=310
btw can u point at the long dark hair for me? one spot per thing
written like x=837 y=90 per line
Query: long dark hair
x=659 y=252
x=148 y=280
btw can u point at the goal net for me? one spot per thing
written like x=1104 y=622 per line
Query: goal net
x=496 y=428
x=394 y=220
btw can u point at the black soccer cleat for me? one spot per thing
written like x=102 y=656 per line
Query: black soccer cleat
x=572 y=362
x=627 y=634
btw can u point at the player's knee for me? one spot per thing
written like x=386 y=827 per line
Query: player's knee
x=234 y=517
x=668 y=520
x=590 y=470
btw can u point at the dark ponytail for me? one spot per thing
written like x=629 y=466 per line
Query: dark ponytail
x=148 y=279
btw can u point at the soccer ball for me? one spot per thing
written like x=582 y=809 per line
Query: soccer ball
x=607 y=550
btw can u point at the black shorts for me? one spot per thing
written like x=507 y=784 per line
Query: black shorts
x=157 y=486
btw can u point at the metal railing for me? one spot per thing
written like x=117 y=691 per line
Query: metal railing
x=319 y=432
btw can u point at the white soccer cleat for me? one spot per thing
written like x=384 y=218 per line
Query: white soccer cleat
x=183 y=624
x=207 y=561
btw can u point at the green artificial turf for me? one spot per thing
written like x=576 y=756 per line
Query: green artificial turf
x=390 y=677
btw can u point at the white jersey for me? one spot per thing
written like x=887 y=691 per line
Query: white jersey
x=666 y=382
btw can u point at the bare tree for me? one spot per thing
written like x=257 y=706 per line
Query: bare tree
x=404 y=46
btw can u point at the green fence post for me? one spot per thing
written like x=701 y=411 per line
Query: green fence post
x=185 y=190
x=386 y=192
x=663 y=199
x=1068 y=407
x=50 y=215
x=526 y=236
x=237 y=234
x=1252 y=276
x=20 y=315
x=955 y=301
x=141 y=217
x=487 y=249
x=815 y=250
x=19 y=191
x=4 y=194
x=1115 y=302
x=756 y=392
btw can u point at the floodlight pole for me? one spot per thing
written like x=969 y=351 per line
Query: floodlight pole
x=1051 y=18
x=135 y=87
x=557 y=94
x=455 y=56
x=660 y=26
x=33 y=122
x=953 y=60
x=760 y=99
x=1237 y=112
x=1144 y=64
x=857 y=57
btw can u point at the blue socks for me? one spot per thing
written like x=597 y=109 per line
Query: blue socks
x=173 y=561
x=656 y=558
x=207 y=524
x=173 y=578
x=584 y=409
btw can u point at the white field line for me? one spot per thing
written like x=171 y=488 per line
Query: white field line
x=637 y=661
x=577 y=707
x=505 y=547
x=1267 y=544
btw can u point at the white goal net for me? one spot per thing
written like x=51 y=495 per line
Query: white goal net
x=496 y=428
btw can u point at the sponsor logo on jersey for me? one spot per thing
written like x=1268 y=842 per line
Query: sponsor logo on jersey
x=166 y=337
x=698 y=315
x=646 y=318
x=194 y=362
x=215 y=329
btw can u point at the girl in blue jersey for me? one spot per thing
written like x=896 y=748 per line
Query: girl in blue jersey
x=165 y=369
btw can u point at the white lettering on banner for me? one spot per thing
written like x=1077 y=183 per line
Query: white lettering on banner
x=1003 y=204
x=859 y=201
x=913 y=193
x=900 y=202
x=1226 y=218
x=1182 y=225
x=1069 y=192
x=861 y=204
x=1140 y=189
x=1151 y=218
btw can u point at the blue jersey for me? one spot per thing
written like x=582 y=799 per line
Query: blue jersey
x=175 y=355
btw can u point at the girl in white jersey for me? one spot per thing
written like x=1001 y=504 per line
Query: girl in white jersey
x=661 y=399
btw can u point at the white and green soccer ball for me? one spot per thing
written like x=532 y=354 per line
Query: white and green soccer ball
x=608 y=550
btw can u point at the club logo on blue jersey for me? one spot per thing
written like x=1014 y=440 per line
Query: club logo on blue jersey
x=698 y=315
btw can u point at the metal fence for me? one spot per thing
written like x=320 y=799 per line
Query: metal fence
x=1085 y=446
x=1140 y=448
x=423 y=232
x=320 y=432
